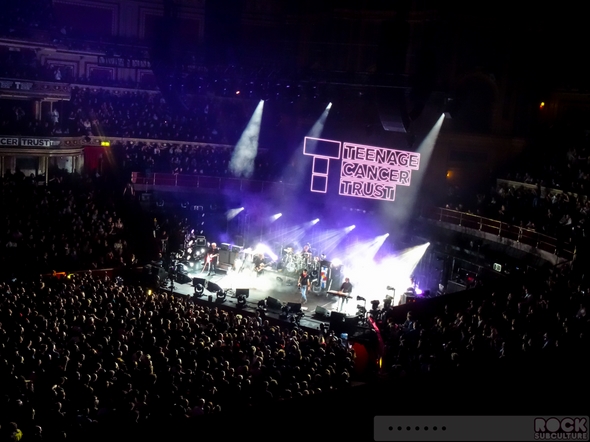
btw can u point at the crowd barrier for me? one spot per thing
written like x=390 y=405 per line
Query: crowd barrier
x=503 y=230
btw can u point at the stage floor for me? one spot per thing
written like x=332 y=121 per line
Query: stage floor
x=269 y=284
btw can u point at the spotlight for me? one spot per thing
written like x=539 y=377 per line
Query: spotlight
x=242 y=295
x=199 y=285
x=221 y=296
x=360 y=298
x=375 y=304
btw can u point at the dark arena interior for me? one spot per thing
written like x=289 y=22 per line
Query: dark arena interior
x=263 y=218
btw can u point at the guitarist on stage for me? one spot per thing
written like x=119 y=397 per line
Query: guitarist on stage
x=259 y=264
x=212 y=258
x=304 y=284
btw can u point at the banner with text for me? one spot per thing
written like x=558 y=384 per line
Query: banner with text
x=365 y=171
x=28 y=142
x=122 y=62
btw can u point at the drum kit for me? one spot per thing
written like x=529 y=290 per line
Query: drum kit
x=296 y=262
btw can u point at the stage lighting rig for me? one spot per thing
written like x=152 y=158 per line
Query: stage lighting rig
x=221 y=295
x=199 y=285
x=241 y=299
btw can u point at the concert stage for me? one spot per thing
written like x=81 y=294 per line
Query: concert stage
x=268 y=286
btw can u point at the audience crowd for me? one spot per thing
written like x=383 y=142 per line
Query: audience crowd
x=541 y=322
x=82 y=352
x=73 y=223
x=557 y=214
x=208 y=160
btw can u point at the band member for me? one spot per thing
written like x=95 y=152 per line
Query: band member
x=212 y=258
x=345 y=288
x=304 y=284
x=259 y=263
x=306 y=256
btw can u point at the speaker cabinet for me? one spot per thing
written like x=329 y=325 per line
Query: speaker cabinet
x=273 y=303
x=322 y=312
x=340 y=323
x=183 y=278
x=243 y=292
x=224 y=256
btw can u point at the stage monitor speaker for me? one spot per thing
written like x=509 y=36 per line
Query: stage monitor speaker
x=350 y=325
x=182 y=278
x=294 y=307
x=160 y=273
x=322 y=312
x=243 y=292
x=273 y=303
x=224 y=256
x=197 y=281
x=338 y=322
x=214 y=288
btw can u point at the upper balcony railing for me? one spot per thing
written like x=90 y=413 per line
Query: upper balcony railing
x=503 y=230
x=209 y=183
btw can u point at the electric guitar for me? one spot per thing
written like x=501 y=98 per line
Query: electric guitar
x=260 y=267
x=211 y=257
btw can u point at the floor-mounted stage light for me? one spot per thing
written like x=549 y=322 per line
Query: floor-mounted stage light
x=221 y=296
x=242 y=295
x=199 y=285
